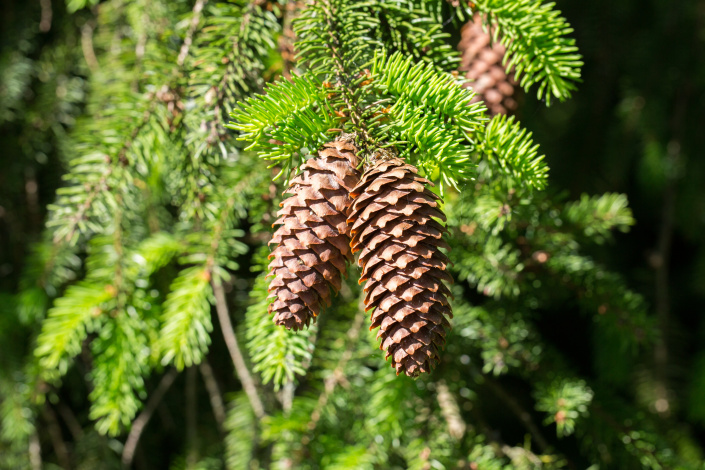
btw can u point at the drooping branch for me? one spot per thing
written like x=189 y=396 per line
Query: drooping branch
x=243 y=373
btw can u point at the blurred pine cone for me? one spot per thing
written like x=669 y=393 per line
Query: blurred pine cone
x=313 y=240
x=392 y=222
x=481 y=61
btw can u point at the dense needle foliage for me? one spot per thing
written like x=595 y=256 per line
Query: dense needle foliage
x=145 y=148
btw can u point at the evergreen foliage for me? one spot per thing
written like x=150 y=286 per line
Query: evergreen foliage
x=539 y=48
x=174 y=127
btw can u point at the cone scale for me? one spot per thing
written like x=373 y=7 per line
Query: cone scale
x=394 y=227
x=312 y=243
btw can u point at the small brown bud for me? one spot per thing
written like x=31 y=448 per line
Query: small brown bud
x=560 y=416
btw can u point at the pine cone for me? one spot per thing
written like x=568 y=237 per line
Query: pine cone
x=392 y=222
x=313 y=240
x=482 y=61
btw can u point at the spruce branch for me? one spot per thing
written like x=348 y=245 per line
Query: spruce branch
x=539 y=49
x=69 y=322
x=241 y=427
x=68 y=220
x=185 y=333
x=343 y=74
x=510 y=151
x=228 y=64
x=120 y=361
x=431 y=114
x=277 y=354
x=413 y=28
x=597 y=216
x=292 y=116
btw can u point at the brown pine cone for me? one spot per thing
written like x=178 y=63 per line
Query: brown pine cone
x=313 y=240
x=392 y=222
x=482 y=61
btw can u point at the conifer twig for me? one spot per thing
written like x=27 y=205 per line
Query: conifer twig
x=47 y=14
x=57 y=441
x=661 y=264
x=450 y=410
x=70 y=420
x=241 y=369
x=191 y=417
x=138 y=425
x=341 y=75
x=188 y=40
x=337 y=375
x=101 y=185
x=87 y=46
x=214 y=394
x=520 y=413
x=35 y=451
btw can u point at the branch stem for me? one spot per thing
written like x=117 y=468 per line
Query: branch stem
x=338 y=373
x=520 y=413
x=214 y=395
x=57 y=440
x=128 y=452
x=243 y=373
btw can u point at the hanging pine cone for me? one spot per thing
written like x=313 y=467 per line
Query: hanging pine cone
x=482 y=61
x=392 y=222
x=313 y=240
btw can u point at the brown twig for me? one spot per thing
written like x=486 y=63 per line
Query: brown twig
x=288 y=37
x=216 y=398
x=661 y=259
x=47 y=14
x=35 y=451
x=87 y=46
x=188 y=40
x=341 y=75
x=70 y=420
x=243 y=373
x=520 y=413
x=338 y=373
x=661 y=265
x=138 y=425
x=450 y=410
x=57 y=440
x=191 y=417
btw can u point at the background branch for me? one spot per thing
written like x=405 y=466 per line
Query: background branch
x=241 y=369
x=138 y=425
